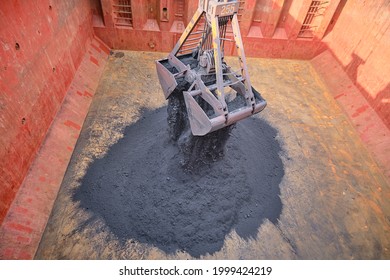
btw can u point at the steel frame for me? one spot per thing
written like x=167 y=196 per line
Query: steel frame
x=214 y=95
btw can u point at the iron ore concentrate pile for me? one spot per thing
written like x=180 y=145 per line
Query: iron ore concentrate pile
x=162 y=186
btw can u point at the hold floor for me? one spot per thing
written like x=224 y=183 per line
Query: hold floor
x=334 y=197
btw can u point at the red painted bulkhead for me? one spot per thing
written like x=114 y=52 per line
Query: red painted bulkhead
x=43 y=43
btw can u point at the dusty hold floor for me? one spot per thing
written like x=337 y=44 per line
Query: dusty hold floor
x=141 y=191
x=326 y=199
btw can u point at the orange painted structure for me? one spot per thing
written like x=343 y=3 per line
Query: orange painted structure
x=44 y=42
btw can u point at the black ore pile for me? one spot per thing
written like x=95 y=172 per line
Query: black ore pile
x=161 y=186
x=198 y=152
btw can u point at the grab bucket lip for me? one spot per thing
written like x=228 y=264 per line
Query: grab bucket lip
x=201 y=124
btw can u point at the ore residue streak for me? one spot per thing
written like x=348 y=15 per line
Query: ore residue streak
x=176 y=195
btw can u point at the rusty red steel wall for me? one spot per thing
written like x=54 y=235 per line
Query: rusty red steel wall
x=43 y=42
x=360 y=41
x=41 y=46
x=270 y=28
x=357 y=32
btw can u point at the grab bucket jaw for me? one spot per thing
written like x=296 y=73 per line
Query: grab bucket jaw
x=167 y=79
x=201 y=124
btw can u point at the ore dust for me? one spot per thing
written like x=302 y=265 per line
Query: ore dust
x=184 y=193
